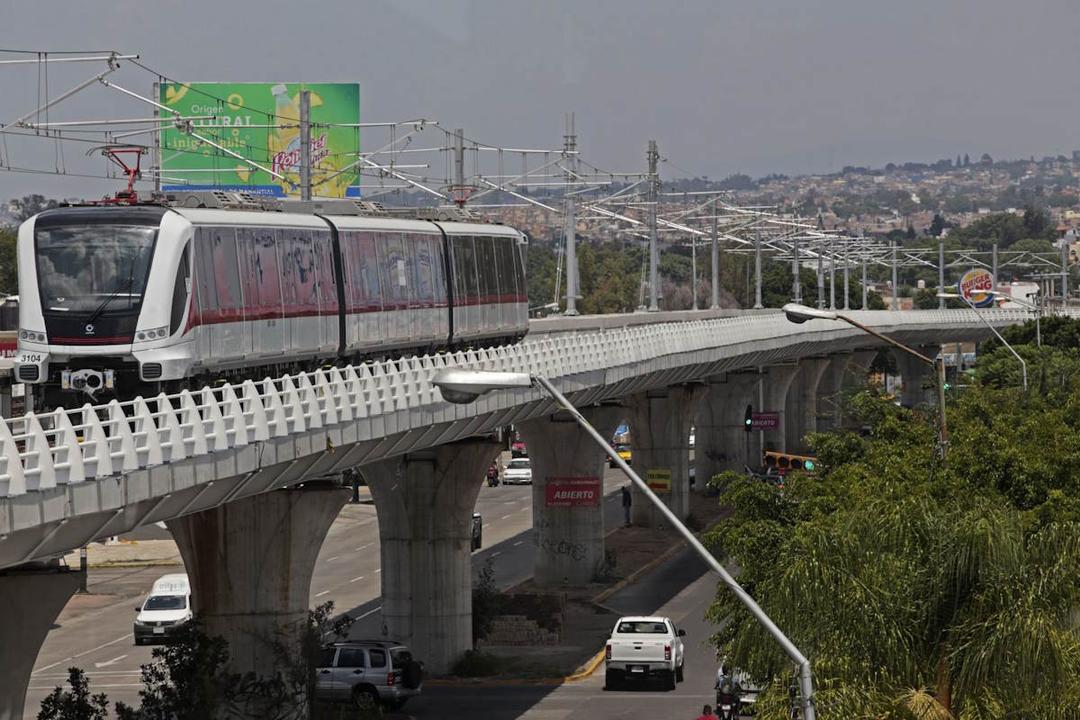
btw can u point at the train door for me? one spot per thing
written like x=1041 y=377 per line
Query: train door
x=326 y=283
x=261 y=275
x=229 y=343
x=299 y=292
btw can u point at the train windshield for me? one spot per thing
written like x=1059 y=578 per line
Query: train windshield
x=93 y=269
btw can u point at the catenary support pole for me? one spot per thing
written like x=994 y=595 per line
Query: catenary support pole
x=941 y=274
x=820 y=280
x=832 y=273
x=715 y=261
x=847 y=275
x=570 y=218
x=796 y=286
x=994 y=267
x=895 y=287
x=757 y=269
x=865 y=289
x=653 y=157
x=305 y=145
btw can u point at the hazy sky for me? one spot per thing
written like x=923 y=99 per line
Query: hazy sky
x=759 y=86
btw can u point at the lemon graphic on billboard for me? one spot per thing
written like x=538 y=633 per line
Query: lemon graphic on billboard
x=241 y=115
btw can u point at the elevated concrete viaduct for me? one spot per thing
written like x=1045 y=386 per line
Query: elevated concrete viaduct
x=215 y=464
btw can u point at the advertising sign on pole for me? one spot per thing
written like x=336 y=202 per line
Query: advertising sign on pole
x=260 y=122
x=659 y=480
x=765 y=420
x=975 y=285
x=572 y=492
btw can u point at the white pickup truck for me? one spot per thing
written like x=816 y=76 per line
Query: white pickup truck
x=642 y=647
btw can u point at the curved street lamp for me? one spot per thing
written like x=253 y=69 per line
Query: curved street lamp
x=800 y=313
x=1023 y=365
x=465 y=386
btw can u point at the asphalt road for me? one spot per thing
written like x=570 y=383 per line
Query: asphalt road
x=98 y=637
x=681 y=589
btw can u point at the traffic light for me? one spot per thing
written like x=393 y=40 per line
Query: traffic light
x=784 y=462
x=748 y=419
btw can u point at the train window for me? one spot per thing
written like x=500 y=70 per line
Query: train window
x=265 y=272
x=298 y=272
x=438 y=271
x=420 y=255
x=519 y=270
x=486 y=269
x=324 y=267
x=504 y=256
x=465 y=283
x=226 y=273
x=394 y=273
x=181 y=290
x=363 y=269
x=204 y=275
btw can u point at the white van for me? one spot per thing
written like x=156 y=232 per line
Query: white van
x=166 y=609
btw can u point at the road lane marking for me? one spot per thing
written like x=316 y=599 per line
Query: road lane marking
x=324 y=592
x=107 y=663
x=369 y=612
x=506 y=517
x=496 y=553
x=58 y=662
x=332 y=559
x=525 y=509
x=358 y=577
x=362 y=547
x=519 y=542
x=377 y=571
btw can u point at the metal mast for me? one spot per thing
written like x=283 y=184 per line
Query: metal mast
x=570 y=219
x=305 y=144
x=757 y=269
x=653 y=157
x=459 y=195
x=715 y=261
x=941 y=275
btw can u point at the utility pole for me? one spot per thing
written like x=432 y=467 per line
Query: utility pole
x=757 y=269
x=941 y=274
x=305 y=145
x=653 y=157
x=570 y=219
x=895 y=289
x=157 y=139
x=715 y=261
x=1064 y=272
x=458 y=195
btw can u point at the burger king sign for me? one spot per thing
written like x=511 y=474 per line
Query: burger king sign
x=977 y=286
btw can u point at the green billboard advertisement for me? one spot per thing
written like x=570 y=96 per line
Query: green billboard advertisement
x=261 y=123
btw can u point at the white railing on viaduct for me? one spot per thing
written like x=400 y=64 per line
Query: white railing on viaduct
x=70 y=476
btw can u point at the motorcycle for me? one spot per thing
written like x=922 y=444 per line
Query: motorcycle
x=727 y=705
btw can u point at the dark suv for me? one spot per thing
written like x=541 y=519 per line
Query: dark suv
x=357 y=671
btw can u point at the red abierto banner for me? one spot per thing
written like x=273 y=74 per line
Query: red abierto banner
x=572 y=492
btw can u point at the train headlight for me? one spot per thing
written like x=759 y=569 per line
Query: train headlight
x=158 y=333
x=32 y=335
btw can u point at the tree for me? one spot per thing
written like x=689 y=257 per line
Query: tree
x=967 y=160
x=9 y=275
x=937 y=225
x=27 y=206
x=912 y=585
x=76 y=703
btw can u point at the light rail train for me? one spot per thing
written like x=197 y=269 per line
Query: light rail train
x=119 y=301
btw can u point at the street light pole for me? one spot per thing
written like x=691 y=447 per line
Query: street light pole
x=1023 y=365
x=467 y=385
x=800 y=314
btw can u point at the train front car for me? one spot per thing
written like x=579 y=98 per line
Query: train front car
x=103 y=293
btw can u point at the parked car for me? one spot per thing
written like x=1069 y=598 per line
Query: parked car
x=644 y=647
x=518 y=472
x=359 y=671
x=518 y=449
x=623 y=451
x=165 y=611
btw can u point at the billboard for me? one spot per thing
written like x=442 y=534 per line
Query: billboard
x=241 y=117
x=572 y=492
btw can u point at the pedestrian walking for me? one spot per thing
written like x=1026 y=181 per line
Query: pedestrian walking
x=707 y=714
x=627 y=501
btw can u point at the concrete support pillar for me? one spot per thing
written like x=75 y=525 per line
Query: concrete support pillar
x=829 y=392
x=250 y=563
x=424 y=503
x=914 y=375
x=801 y=408
x=568 y=519
x=660 y=435
x=722 y=442
x=775 y=387
x=29 y=604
